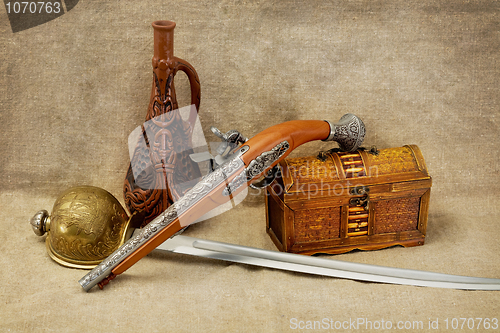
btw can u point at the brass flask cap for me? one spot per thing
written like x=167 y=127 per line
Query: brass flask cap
x=86 y=225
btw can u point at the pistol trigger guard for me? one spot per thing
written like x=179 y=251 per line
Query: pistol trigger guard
x=268 y=178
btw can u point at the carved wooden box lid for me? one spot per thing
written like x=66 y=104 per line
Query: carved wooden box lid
x=337 y=171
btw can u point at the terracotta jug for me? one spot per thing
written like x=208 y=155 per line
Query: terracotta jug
x=154 y=191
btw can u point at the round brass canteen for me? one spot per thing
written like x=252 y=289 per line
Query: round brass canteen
x=87 y=224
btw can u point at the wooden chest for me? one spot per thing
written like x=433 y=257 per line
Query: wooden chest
x=339 y=202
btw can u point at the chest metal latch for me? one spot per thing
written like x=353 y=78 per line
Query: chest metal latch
x=362 y=201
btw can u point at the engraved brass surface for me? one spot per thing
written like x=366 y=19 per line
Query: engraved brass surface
x=87 y=224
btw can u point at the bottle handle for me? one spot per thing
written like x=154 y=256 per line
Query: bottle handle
x=194 y=82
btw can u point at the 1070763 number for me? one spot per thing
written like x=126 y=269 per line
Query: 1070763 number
x=471 y=323
x=32 y=7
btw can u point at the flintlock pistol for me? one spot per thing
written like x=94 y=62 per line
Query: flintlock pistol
x=247 y=162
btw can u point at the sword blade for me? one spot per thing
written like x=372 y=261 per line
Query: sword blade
x=325 y=267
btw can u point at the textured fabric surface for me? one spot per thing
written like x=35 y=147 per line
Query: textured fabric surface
x=417 y=72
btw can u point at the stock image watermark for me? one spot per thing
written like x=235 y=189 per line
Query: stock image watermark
x=28 y=14
x=430 y=324
x=326 y=180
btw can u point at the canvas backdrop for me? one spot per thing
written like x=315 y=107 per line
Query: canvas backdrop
x=416 y=72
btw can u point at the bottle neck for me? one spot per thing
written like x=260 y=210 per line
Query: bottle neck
x=163 y=39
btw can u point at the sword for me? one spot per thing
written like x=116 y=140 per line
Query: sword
x=321 y=266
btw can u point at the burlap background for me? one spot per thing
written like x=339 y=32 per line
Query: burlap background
x=422 y=72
